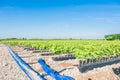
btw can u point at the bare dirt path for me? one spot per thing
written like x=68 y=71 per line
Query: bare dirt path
x=9 y=70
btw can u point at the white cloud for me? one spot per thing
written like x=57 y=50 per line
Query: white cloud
x=112 y=19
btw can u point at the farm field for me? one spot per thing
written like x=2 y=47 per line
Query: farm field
x=67 y=67
x=81 y=49
x=60 y=40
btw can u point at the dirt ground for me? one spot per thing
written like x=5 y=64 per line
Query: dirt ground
x=10 y=70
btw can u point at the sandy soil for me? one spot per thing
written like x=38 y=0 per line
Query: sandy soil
x=9 y=70
x=64 y=67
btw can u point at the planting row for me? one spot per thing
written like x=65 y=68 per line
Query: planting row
x=82 y=49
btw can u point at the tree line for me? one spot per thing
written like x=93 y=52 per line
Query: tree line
x=112 y=37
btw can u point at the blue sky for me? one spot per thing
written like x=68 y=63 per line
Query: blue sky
x=89 y=19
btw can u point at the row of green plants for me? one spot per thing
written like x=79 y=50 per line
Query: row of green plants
x=82 y=49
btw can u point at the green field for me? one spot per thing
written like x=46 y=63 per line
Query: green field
x=82 y=49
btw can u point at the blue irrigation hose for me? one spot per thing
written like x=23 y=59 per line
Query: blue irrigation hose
x=12 y=54
x=52 y=72
x=22 y=63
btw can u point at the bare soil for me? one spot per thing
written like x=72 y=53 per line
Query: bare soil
x=9 y=70
x=66 y=67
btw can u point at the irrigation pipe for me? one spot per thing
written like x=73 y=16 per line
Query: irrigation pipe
x=23 y=65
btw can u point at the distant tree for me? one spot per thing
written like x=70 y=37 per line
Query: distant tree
x=24 y=38
x=70 y=38
x=12 y=38
x=112 y=37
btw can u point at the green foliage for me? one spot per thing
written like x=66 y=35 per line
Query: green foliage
x=82 y=49
x=112 y=37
